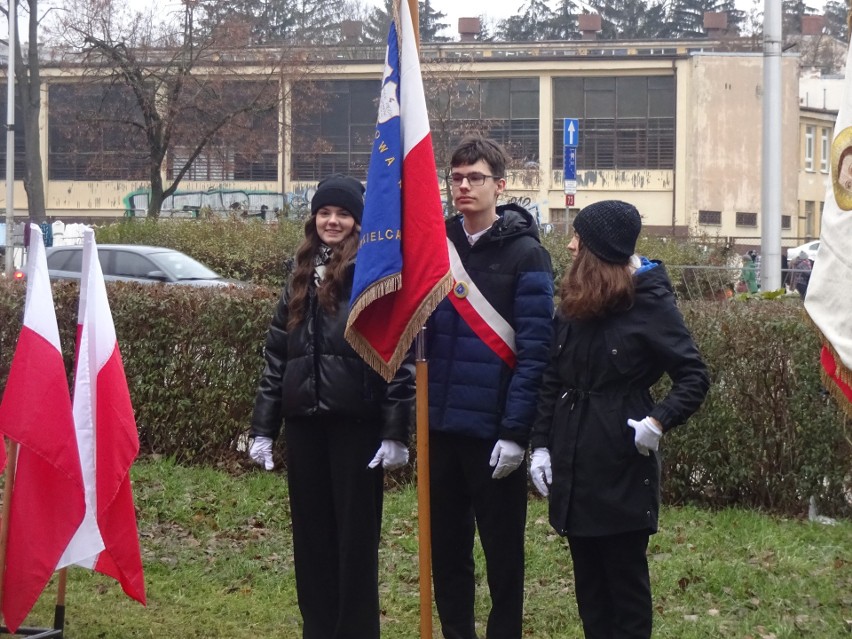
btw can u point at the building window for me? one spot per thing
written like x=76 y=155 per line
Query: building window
x=711 y=218
x=625 y=122
x=334 y=124
x=563 y=219
x=20 y=154
x=746 y=219
x=245 y=150
x=809 y=148
x=810 y=207
x=824 y=151
x=503 y=109
x=786 y=222
x=89 y=137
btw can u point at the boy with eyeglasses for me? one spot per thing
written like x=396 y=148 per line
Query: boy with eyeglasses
x=488 y=345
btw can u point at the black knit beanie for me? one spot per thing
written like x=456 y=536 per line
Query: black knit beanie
x=340 y=190
x=609 y=229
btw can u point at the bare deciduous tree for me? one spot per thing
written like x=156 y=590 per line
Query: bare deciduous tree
x=28 y=85
x=193 y=97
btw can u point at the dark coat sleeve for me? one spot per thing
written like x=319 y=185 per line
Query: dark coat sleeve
x=266 y=418
x=533 y=314
x=397 y=407
x=673 y=345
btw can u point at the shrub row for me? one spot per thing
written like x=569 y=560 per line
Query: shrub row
x=768 y=435
x=255 y=251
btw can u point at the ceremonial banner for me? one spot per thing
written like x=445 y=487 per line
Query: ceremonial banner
x=402 y=270
x=828 y=300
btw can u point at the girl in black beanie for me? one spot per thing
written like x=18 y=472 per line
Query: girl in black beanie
x=597 y=431
x=343 y=424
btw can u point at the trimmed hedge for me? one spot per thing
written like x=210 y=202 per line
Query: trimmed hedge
x=192 y=356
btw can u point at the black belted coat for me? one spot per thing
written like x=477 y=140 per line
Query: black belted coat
x=599 y=375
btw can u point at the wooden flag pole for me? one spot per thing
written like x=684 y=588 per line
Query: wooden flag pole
x=424 y=503
x=59 y=610
x=11 y=463
x=424 y=518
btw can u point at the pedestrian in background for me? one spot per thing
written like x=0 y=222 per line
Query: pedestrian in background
x=801 y=274
x=597 y=431
x=342 y=424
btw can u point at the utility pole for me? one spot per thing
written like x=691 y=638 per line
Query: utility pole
x=770 y=241
x=10 y=138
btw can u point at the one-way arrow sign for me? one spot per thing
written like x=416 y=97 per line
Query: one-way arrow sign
x=571 y=133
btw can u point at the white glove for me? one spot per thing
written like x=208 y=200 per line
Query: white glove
x=647 y=435
x=391 y=455
x=261 y=451
x=505 y=458
x=540 y=472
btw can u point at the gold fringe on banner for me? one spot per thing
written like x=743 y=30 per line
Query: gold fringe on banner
x=387 y=369
x=841 y=371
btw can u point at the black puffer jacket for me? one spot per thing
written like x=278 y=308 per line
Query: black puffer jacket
x=312 y=371
x=599 y=375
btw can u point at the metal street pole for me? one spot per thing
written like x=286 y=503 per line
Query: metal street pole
x=10 y=138
x=770 y=241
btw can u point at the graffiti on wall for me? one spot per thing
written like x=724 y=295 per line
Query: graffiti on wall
x=224 y=201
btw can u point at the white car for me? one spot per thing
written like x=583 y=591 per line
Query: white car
x=810 y=248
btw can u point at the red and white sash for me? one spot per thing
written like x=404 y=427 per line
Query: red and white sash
x=477 y=311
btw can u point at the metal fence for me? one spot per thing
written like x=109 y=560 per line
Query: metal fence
x=711 y=282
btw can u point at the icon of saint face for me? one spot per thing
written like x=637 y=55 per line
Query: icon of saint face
x=841 y=168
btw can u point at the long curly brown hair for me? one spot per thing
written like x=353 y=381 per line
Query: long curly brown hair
x=593 y=288
x=330 y=290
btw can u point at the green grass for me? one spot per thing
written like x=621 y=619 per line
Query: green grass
x=217 y=553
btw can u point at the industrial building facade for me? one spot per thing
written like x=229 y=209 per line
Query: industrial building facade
x=674 y=127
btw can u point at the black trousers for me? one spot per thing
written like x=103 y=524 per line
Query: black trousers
x=336 y=511
x=612 y=585
x=464 y=498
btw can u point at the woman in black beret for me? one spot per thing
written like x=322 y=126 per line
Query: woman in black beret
x=597 y=431
x=343 y=424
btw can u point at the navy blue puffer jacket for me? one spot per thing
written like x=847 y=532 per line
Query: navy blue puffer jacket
x=472 y=391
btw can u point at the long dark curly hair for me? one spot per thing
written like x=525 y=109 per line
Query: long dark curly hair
x=330 y=290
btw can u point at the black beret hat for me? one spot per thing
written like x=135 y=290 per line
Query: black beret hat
x=340 y=190
x=609 y=229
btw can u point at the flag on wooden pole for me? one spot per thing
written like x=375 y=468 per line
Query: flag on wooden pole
x=47 y=503
x=828 y=301
x=402 y=270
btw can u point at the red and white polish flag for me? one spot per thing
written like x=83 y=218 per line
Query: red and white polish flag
x=108 y=538
x=47 y=503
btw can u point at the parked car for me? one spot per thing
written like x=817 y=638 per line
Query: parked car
x=134 y=263
x=810 y=248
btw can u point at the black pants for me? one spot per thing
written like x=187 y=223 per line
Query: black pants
x=612 y=585
x=464 y=498
x=336 y=509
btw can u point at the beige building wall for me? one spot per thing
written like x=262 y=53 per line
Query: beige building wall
x=721 y=137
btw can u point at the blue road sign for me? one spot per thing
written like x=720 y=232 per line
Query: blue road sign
x=570 y=167
x=571 y=132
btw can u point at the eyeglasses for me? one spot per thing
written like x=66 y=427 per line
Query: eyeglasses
x=474 y=179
